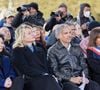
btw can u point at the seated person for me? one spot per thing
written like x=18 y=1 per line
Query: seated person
x=93 y=54
x=7 y=38
x=67 y=62
x=6 y=71
x=30 y=60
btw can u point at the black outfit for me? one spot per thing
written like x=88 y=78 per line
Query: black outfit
x=37 y=19
x=93 y=59
x=86 y=20
x=33 y=64
x=52 y=22
x=18 y=19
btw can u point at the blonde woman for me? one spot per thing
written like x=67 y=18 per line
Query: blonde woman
x=30 y=60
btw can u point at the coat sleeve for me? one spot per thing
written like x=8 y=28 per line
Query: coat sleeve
x=7 y=68
x=62 y=75
x=50 y=24
x=2 y=80
x=17 y=20
x=93 y=64
x=20 y=62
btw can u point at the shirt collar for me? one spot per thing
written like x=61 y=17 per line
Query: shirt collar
x=60 y=45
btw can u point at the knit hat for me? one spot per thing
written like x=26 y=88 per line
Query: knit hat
x=93 y=25
x=34 y=5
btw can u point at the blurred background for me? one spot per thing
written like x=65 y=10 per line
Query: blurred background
x=46 y=6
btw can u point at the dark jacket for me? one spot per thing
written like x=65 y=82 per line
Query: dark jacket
x=52 y=21
x=93 y=58
x=28 y=62
x=84 y=20
x=34 y=66
x=17 y=20
x=6 y=70
x=67 y=64
x=37 y=19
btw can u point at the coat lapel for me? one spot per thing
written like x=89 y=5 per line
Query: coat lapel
x=33 y=57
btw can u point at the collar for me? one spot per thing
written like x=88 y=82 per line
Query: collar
x=69 y=46
x=60 y=45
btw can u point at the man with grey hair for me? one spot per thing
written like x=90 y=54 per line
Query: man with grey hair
x=67 y=61
x=52 y=38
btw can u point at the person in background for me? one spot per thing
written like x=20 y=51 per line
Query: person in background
x=78 y=33
x=58 y=17
x=7 y=73
x=93 y=54
x=22 y=15
x=40 y=36
x=36 y=16
x=30 y=60
x=85 y=17
x=7 y=38
x=68 y=63
x=84 y=41
x=8 y=21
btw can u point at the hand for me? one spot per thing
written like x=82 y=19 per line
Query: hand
x=86 y=81
x=8 y=83
x=76 y=80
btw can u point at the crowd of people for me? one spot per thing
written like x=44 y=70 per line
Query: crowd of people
x=67 y=58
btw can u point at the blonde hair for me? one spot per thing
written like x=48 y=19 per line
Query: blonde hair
x=19 y=35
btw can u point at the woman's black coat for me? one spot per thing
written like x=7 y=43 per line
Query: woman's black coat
x=34 y=65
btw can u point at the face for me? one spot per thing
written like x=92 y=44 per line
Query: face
x=1 y=44
x=6 y=33
x=87 y=12
x=65 y=36
x=26 y=13
x=29 y=36
x=78 y=30
x=98 y=41
x=63 y=10
x=9 y=20
x=73 y=30
x=32 y=11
